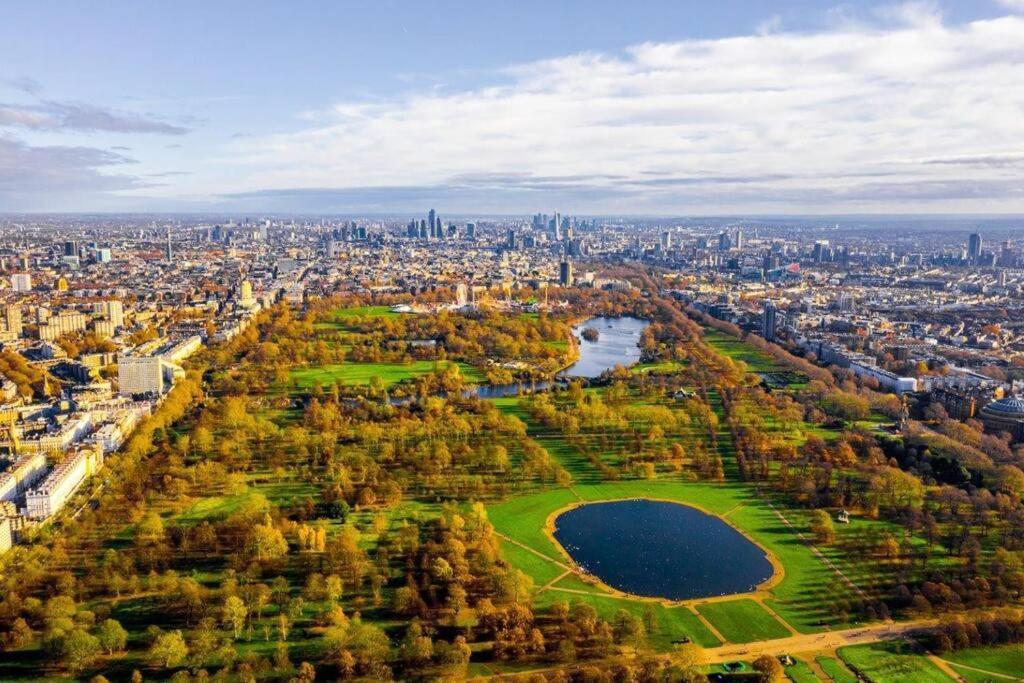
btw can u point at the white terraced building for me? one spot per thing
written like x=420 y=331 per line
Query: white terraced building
x=26 y=471
x=53 y=493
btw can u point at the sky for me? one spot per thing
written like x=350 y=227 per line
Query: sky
x=737 y=107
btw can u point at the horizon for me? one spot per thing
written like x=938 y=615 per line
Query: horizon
x=753 y=109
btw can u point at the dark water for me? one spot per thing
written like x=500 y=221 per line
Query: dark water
x=659 y=549
x=616 y=345
x=503 y=390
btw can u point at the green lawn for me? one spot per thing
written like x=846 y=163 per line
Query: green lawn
x=1005 y=659
x=742 y=621
x=671 y=623
x=737 y=349
x=664 y=367
x=359 y=374
x=835 y=670
x=213 y=507
x=886 y=663
x=803 y=596
x=801 y=672
x=363 y=312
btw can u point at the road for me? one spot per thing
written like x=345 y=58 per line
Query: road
x=812 y=642
x=791 y=645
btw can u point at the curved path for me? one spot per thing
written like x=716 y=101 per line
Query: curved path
x=953 y=666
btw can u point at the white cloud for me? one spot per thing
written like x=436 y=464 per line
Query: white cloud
x=846 y=118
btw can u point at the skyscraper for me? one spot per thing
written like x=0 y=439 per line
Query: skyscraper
x=769 y=321
x=974 y=247
x=432 y=222
x=565 y=273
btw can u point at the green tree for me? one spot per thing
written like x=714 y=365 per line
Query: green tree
x=112 y=636
x=78 y=649
x=416 y=649
x=822 y=527
x=234 y=614
x=266 y=542
x=168 y=650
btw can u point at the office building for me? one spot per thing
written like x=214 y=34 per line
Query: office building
x=21 y=282
x=974 y=245
x=565 y=273
x=13 y=316
x=769 y=321
x=140 y=375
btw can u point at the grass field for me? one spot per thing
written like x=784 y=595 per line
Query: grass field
x=737 y=349
x=357 y=374
x=341 y=318
x=1006 y=659
x=742 y=621
x=800 y=672
x=885 y=663
x=801 y=598
x=664 y=367
x=836 y=670
x=672 y=623
x=363 y=312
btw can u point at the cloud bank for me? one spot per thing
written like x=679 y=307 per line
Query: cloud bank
x=905 y=113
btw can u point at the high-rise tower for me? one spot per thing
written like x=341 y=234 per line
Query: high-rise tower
x=974 y=247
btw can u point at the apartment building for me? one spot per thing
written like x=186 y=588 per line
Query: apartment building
x=53 y=493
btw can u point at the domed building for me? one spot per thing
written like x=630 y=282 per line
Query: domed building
x=1005 y=415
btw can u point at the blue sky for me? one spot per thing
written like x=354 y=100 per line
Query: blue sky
x=511 y=107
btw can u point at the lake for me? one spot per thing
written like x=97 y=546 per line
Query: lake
x=660 y=549
x=616 y=344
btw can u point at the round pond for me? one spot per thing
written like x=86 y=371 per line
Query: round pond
x=661 y=549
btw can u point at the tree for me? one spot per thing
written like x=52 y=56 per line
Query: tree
x=416 y=649
x=58 y=612
x=306 y=674
x=150 y=529
x=168 y=650
x=79 y=648
x=234 y=614
x=770 y=669
x=822 y=527
x=629 y=629
x=112 y=636
x=688 y=656
x=282 y=662
x=266 y=542
x=358 y=646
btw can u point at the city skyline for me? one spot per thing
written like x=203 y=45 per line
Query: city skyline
x=757 y=108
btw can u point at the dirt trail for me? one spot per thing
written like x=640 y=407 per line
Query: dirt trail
x=948 y=666
x=535 y=552
x=804 y=643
